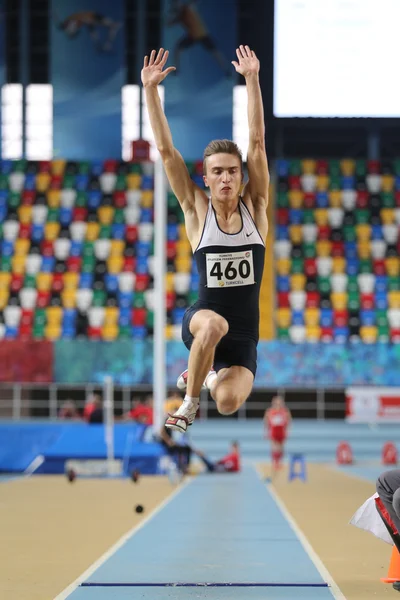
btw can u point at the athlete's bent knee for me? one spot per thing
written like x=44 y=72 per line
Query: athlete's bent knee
x=213 y=331
x=227 y=401
x=396 y=502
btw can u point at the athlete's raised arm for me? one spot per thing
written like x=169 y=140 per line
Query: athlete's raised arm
x=248 y=65
x=153 y=73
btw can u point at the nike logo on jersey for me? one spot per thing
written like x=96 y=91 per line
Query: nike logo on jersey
x=249 y=234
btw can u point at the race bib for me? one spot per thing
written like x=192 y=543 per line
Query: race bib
x=230 y=269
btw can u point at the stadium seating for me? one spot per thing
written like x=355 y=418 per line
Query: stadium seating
x=337 y=250
x=76 y=246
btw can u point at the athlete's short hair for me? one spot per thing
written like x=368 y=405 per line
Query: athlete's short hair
x=222 y=147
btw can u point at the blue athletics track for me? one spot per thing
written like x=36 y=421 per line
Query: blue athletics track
x=216 y=537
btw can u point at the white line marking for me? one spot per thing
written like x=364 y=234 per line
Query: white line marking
x=100 y=561
x=326 y=576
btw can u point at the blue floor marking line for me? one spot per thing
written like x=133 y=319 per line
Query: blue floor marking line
x=174 y=585
x=205 y=593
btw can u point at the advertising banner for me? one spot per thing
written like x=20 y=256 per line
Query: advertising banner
x=372 y=405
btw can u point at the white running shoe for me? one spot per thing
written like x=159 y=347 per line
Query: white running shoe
x=183 y=417
x=182 y=379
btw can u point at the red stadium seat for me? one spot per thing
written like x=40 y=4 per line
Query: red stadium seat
x=171 y=250
x=294 y=182
x=282 y=216
x=47 y=248
x=310 y=267
x=170 y=298
x=312 y=299
x=79 y=213
x=43 y=299
x=283 y=300
x=322 y=167
x=58 y=282
x=110 y=165
x=119 y=198
x=138 y=316
x=326 y=334
x=362 y=199
x=17 y=282
x=340 y=317
x=324 y=232
x=56 y=182
x=74 y=264
x=26 y=316
x=373 y=166
x=379 y=267
x=142 y=282
x=44 y=166
x=28 y=197
x=337 y=248
x=367 y=301
x=94 y=333
x=25 y=230
x=309 y=200
x=131 y=234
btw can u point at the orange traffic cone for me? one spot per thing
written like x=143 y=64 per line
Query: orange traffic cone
x=394 y=568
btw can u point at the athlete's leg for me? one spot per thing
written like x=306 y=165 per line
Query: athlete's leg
x=388 y=486
x=231 y=388
x=209 y=45
x=276 y=457
x=208 y=328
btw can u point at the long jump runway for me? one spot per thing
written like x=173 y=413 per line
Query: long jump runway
x=219 y=536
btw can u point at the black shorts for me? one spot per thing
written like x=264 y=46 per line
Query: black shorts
x=231 y=350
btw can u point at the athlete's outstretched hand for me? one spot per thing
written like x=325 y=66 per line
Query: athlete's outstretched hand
x=153 y=72
x=248 y=62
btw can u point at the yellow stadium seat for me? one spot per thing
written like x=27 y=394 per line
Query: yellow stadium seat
x=387 y=183
x=111 y=314
x=335 y=198
x=338 y=264
x=92 y=231
x=42 y=181
x=169 y=332
x=183 y=264
x=363 y=231
x=109 y=332
x=147 y=199
x=117 y=247
x=105 y=214
x=311 y=317
x=18 y=264
x=322 y=183
x=392 y=266
x=183 y=248
x=58 y=166
x=169 y=282
x=283 y=317
x=297 y=282
x=394 y=299
x=324 y=247
x=296 y=198
x=70 y=280
x=54 y=315
x=4 y=294
x=321 y=216
x=133 y=181
x=22 y=246
x=52 y=332
x=313 y=333
x=25 y=213
x=387 y=216
x=364 y=249
x=283 y=266
x=296 y=234
x=339 y=300
x=368 y=334
x=308 y=166
x=51 y=231
x=44 y=281
x=347 y=166
x=115 y=264
x=171 y=405
x=54 y=198
x=68 y=297
x=5 y=279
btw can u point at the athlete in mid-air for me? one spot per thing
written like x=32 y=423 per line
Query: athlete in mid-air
x=227 y=231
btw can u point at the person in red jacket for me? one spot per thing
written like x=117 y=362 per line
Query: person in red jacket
x=277 y=420
x=228 y=464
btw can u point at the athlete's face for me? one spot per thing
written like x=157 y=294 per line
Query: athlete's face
x=224 y=176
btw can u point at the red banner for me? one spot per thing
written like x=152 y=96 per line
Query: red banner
x=372 y=405
x=26 y=361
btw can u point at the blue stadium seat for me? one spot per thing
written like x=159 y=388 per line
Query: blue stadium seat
x=97 y=168
x=76 y=248
x=142 y=265
x=3 y=197
x=282 y=232
x=348 y=182
x=30 y=181
x=125 y=299
x=7 y=248
x=118 y=231
x=194 y=282
x=81 y=182
x=340 y=334
x=69 y=317
x=172 y=232
x=326 y=317
x=350 y=250
x=381 y=300
x=177 y=315
x=111 y=282
x=296 y=216
x=367 y=317
x=86 y=281
x=139 y=332
x=3 y=212
x=381 y=283
x=48 y=263
x=376 y=232
x=6 y=166
x=94 y=199
x=11 y=333
x=37 y=232
x=124 y=318
x=352 y=266
x=65 y=216
x=282 y=167
x=283 y=283
x=297 y=317
x=68 y=332
x=146 y=215
x=322 y=200
x=147 y=182
x=143 y=249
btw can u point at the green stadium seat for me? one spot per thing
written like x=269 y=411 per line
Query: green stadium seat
x=105 y=232
x=310 y=250
x=295 y=167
